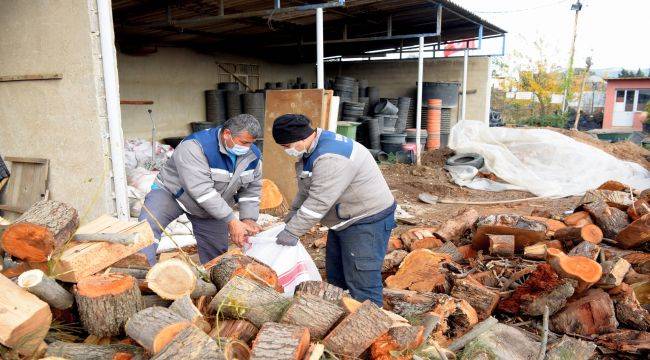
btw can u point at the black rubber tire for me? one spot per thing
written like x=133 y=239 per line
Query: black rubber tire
x=471 y=159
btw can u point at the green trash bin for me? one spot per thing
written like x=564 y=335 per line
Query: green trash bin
x=347 y=129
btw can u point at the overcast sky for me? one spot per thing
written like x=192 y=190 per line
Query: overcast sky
x=616 y=33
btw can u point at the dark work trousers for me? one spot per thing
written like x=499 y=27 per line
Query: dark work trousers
x=354 y=257
x=211 y=234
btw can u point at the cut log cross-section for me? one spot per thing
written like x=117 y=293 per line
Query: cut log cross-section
x=321 y=289
x=538 y=251
x=280 y=341
x=46 y=226
x=47 y=289
x=570 y=236
x=502 y=245
x=481 y=298
x=106 y=302
x=578 y=219
x=190 y=344
x=314 y=313
x=609 y=219
x=233 y=264
x=155 y=327
x=77 y=351
x=185 y=308
x=420 y=271
x=636 y=234
x=171 y=279
x=586 y=271
x=241 y=330
x=590 y=314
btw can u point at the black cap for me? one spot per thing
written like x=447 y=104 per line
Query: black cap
x=290 y=128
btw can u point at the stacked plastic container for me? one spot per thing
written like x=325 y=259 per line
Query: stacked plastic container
x=434 y=107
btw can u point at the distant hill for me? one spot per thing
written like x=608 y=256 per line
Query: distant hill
x=613 y=72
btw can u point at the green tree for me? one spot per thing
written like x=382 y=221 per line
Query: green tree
x=623 y=73
x=639 y=73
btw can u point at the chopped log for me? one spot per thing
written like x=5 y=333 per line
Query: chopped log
x=526 y=232
x=79 y=351
x=635 y=234
x=454 y=228
x=408 y=303
x=397 y=340
x=47 y=289
x=586 y=249
x=315 y=352
x=502 y=342
x=133 y=261
x=468 y=252
x=426 y=243
x=450 y=249
x=629 y=341
x=115 y=238
x=136 y=273
x=538 y=251
x=502 y=245
x=106 y=302
x=235 y=349
x=25 y=318
x=186 y=309
x=153 y=328
x=613 y=185
x=454 y=318
x=639 y=208
x=575 y=348
x=633 y=277
x=241 y=330
x=393 y=259
x=230 y=265
x=351 y=305
x=203 y=288
x=586 y=271
x=171 y=279
x=578 y=219
x=314 y=313
x=487 y=278
x=46 y=226
x=321 y=289
x=394 y=243
x=482 y=299
x=629 y=311
x=420 y=271
x=639 y=260
x=354 y=334
x=244 y=298
x=542 y=288
x=419 y=236
x=154 y=300
x=613 y=273
x=280 y=341
x=476 y=331
x=552 y=225
x=609 y=219
x=573 y=235
x=591 y=314
x=190 y=344
x=618 y=199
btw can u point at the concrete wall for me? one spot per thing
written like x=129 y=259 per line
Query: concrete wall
x=610 y=99
x=398 y=78
x=175 y=79
x=62 y=120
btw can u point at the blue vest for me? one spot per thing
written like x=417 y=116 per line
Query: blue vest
x=328 y=143
x=209 y=140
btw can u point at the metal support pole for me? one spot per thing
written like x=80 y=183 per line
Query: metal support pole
x=390 y=25
x=277 y=4
x=480 y=36
x=418 y=116
x=320 y=71
x=464 y=104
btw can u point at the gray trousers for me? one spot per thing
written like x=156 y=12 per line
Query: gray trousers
x=211 y=234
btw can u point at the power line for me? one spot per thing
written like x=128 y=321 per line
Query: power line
x=522 y=9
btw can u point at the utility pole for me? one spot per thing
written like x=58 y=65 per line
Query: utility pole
x=582 y=89
x=569 y=74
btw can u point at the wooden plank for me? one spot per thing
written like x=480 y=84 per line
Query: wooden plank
x=136 y=102
x=326 y=115
x=27 y=185
x=278 y=166
x=27 y=160
x=54 y=76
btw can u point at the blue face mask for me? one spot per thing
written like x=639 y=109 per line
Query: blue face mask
x=236 y=149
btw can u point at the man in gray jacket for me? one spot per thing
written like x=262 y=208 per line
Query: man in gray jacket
x=209 y=172
x=340 y=186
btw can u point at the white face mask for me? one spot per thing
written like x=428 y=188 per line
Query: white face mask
x=292 y=151
x=237 y=149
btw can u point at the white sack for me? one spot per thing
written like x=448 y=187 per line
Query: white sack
x=544 y=162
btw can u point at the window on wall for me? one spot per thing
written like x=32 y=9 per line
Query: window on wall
x=629 y=100
x=248 y=74
x=620 y=96
x=644 y=98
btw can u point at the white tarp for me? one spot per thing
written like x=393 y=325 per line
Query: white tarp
x=544 y=162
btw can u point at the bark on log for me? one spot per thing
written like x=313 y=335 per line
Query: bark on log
x=247 y=299
x=450 y=249
x=241 y=330
x=570 y=236
x=578 y=219
x=134 y=261
x=153 y=328
x=552 y=225
x=502 y=245
x=455 y=317
x=136 y=273
x=623 y=340
x=46 y=289
x=614 y=272
x=610 y=220
x=106 y=302
x=635 y=234
x=482 y=299
x=25 y=319
x=502 y=342
x=171 y=279
x=586 y=249
x=190 y=344
x=230 y=265
x=618 y=199
x=280 y=341
x=633 y=277
x=526 y=232
x=591 y=314
x=639 y=208
x=586 y=271
x=154 y=300
x=538 y=251
x=397 y=340
x=454 y=228
x=575 y=348
x=421 y=271
x=419 y=236
x=321 y=289
x=393 y=259
x=186 y=309
x=203 y=288
x=115 y=238
x=409 y=303
x=314 y=313
x=80 y=351
x=542 y=288
x=614 y=186
x=35 y=235
x=640 y=261
x=235 y=349
x=354 y=334
x=628 y=310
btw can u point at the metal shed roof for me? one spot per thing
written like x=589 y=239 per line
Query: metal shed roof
x=286 y=33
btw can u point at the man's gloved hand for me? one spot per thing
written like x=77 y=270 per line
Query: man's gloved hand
x=289 y=216
x=287 y=239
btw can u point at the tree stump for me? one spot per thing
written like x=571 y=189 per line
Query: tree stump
x=233 y=264
x=321 y=289
x=482 y=299
x=628 y=310
x=241 y=330
x=79 y=351
x=573 y=235
x=614 y=272
x=526 y=231
x=244 y=298
x=586 y=249
x=589 y=315
x=190 y=344
x=153 y=328
x=420 y=271
x=280 y=341
x=186 y=309
x=454 y=228
x=35 y=235
x=314 y=313
x=502 y=245
x=578 y=219
x=586 y=271
x=47 y=289
x=106 y=302
x=609 y=219
x=171 y=279
x=635 y=234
